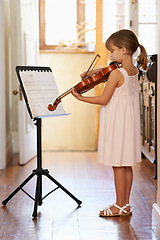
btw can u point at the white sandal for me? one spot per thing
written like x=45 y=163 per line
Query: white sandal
x=108 y=213
x=128 y=205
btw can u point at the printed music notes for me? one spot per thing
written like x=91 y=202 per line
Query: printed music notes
x=40 y=89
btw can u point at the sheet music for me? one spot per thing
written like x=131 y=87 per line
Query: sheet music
x=41 y=90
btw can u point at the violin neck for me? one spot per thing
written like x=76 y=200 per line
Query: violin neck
x=65 y=93
x=70 y=90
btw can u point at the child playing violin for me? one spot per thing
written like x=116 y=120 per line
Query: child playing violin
x=119 y=143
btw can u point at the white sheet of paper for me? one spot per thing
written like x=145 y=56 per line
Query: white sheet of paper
x=41 y=89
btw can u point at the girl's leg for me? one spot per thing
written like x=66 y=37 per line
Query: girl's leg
x=129 y=181
x=120 y=185
x=123 y=178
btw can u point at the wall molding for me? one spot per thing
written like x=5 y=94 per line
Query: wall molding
x=156 y=219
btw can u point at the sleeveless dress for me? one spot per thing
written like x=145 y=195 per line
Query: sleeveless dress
x=119 y=142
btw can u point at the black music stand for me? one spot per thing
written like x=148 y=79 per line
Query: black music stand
x=39 y=171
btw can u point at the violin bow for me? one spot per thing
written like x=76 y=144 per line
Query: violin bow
x=98 y=57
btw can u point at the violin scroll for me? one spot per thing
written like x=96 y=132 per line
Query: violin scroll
x=52 y=107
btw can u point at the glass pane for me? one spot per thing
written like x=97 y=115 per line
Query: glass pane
x=61 y=19
x=90 y=20
x=115 y=16
x=147 y=11
x=109 y=18
x=147 y=37
x=148 y=26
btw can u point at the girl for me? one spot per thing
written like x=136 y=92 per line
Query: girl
x=119 y=142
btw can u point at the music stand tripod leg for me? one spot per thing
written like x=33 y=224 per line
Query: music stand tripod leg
x=18 y=188
x=63 y=188
x=39 y=163
x=39 y=171
x=38 y=195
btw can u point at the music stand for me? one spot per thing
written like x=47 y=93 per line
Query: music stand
x=39 y=171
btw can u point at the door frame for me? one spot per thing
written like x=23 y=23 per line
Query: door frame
x=2 y=90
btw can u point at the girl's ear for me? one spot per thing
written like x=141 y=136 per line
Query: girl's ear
x=124 y=50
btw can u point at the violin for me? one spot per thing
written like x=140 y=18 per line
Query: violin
x=87 y=83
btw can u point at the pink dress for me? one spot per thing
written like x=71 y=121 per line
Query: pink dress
x=119 y=141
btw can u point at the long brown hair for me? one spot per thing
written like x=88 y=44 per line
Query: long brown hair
x=126 y=38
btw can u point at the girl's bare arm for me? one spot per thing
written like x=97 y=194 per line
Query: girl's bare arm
x=114 y=77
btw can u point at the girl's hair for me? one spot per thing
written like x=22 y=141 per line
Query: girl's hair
x=126 y=38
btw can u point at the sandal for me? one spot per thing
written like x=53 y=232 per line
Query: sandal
x=108 y=213
x=129 y=212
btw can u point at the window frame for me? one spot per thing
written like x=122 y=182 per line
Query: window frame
x=42 y=43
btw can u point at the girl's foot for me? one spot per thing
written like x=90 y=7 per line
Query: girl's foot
x=114 y=211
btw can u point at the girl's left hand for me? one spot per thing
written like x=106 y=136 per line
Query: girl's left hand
x=76 y=94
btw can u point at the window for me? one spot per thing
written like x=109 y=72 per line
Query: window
x=115 y=16
x=67 y=25
x=148 y=25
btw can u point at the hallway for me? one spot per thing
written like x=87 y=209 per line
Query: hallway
x=58 y=217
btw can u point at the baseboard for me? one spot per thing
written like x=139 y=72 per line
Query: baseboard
x=156 y=219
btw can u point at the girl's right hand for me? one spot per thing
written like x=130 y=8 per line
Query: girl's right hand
x=90 y=73
x=83 y=74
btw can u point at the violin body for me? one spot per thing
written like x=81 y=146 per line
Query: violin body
x=91 y=81
x=87 y=83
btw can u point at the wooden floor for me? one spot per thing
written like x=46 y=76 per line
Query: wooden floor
x=59 y=218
